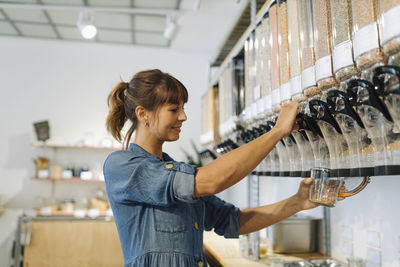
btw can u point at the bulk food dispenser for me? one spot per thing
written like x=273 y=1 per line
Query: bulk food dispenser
x=390 y=32
x=309 y=138
x=320 y=109
x=288 y=143
x=341 y=101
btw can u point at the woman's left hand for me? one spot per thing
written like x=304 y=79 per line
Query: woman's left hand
x=303 y=193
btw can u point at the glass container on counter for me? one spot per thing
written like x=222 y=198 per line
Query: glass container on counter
x=323 y=45
x=367 y=51
x=389 y=11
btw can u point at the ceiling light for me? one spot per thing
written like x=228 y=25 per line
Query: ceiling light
x=170 y=27
x=85 y=24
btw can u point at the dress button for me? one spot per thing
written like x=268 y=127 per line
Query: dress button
x=200 y=263
x=196 y=225
x=169 y=166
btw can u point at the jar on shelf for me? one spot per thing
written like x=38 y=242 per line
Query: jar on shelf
x=389 y=11
x=323 y=45
x=367 y=51
x=342 y=29
x=308 y=82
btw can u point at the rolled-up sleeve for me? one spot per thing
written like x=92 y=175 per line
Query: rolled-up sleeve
x=148 y=181
x=222 y=216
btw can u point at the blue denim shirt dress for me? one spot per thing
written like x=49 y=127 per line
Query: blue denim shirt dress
x=159 y=220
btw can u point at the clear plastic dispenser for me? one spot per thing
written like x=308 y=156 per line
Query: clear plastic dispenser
x=390 y=31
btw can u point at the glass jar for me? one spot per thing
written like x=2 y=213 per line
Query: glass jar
x=367 y=51
x=343 y=62
x=308 y=83
x=389 y=11
x=293 y=17
x=323 y=45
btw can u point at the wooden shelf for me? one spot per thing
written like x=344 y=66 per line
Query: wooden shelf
x=73 y=179
x=78 y=147
x=59 y=213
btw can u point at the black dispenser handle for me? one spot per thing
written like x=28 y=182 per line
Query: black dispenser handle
x=379 y=81
x=373 y=99
x=308 y=123
x=347 y=107
x=326 y=116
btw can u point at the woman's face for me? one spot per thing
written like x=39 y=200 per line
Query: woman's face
x=167 y=122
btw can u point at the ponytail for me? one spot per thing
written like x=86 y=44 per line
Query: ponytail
x=116 y=116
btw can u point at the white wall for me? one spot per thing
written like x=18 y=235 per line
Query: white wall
x=68 y=83
x=366 y=225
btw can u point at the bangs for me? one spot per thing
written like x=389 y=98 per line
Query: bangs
x=173 y=92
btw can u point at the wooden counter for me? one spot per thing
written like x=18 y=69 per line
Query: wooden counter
x=226 y=253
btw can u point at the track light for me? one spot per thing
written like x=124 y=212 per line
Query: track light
x=85 y=24
x=170 y=27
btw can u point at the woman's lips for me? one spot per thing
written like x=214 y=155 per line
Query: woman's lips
x=178 y=129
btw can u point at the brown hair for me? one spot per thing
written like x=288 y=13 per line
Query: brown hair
x=149 y=89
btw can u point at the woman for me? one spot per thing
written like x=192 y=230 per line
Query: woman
x=161 y=207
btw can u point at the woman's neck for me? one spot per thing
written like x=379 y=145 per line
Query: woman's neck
x=149 y=143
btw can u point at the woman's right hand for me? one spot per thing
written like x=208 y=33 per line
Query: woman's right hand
x=286 y=122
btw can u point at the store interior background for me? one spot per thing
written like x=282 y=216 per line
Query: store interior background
x=68 y=83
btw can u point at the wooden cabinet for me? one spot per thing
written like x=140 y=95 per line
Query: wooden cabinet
x=69 y=242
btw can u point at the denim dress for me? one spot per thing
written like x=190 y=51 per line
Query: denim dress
x=159 y=220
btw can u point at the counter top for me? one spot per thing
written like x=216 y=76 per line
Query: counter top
x=226 y=252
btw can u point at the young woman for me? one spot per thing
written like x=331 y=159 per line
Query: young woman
x=161 y=207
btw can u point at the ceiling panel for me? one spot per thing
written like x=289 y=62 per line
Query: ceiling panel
x=112 y=20
x=7 y=28
x=63 y=2
x=69 y=17
x=114 y=36
x=144 y=38
x=20 y=14
x=108 y=3
x=36 y=30
x=70 y=33
x=159 y=4
x=149 y=23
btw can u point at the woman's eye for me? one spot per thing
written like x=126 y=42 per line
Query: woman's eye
x=174 y=110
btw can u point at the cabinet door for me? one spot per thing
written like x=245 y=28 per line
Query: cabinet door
x=73 y=243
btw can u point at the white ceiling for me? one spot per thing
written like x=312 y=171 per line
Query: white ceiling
x=200 y=30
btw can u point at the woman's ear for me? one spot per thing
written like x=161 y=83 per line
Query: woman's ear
x=142 y=115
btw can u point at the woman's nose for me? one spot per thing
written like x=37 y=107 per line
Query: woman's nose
x=182 y=116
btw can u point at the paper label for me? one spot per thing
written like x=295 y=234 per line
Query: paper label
x=366 y=39
x=390 y=24
x=275 y=97
x=308 y=78
x=267 y=103
x=93 y=213
x=260 y=106
x=295 y=85
x=343 y=55
x=323 y=68
x=253 y=110
x=285 y=92
x=256 y=92
x=66 y=174
x=45 y=211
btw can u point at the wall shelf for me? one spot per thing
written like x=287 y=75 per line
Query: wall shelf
x=78 y=147
x=73 y=179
